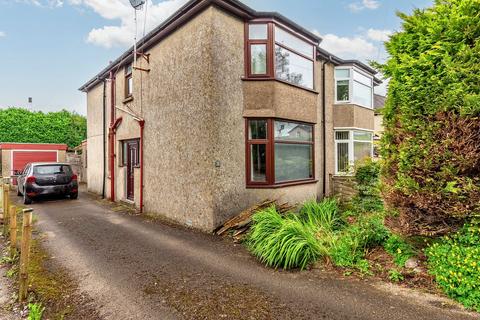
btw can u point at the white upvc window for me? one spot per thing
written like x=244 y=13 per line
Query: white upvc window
x=353 y=86
x=351 y=146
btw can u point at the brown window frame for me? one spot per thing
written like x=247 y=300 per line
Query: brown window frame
x=128 y=76
x=270 y=42
x=270 y=142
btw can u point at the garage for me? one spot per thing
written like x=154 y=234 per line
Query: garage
x=14 y=156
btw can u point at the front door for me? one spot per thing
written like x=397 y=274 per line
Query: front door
x=132 y=162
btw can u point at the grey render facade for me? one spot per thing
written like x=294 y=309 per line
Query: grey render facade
x=225 y=106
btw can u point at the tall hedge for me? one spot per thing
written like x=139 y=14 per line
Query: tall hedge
x=431 y=144
x=22 y=125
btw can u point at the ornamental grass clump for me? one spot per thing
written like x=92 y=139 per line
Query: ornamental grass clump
x=455 y=263
x=324 y=215
x=293 y=241
x=282 y=241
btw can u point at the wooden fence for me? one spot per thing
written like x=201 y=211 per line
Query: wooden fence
x=10 y=231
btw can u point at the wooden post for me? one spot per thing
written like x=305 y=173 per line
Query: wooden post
x=25 y=253
x=5 y=208
x=13 y=231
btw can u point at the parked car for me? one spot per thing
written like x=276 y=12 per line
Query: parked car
x=47 y=178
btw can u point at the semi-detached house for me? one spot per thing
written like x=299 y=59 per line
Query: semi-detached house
x=224 y=107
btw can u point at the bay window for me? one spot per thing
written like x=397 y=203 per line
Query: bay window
x=279 y=152
x=353 y=86
x=351 y=146
x=275 y=53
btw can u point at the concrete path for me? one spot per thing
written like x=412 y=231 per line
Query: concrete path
x=136 y=269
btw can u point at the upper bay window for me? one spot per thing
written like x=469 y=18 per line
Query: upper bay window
x=353 y=86
x=279 y=152
x=275 y=53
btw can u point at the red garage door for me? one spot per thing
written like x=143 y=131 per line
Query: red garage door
x=21 y=158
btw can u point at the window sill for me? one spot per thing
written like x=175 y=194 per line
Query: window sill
x=340 y=103
x=279 y=80
x=127 y=99
x=281 y=185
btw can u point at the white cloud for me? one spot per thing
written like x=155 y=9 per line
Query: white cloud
x=364 y=4
x=2 y=34
x=349 y=47
x=43 y=3
x=120 y=10
x=379 y=35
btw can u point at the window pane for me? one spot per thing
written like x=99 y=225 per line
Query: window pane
x=257 y=129
x=362 y=94
x=342 y=73
x=342 y=135
x=362 y=150
x=343 y=164
x=129 y=86
x=362 y=135
x=291 y=131
x=293 y=162
x=257 y=32
x=343 y=90
x=124 y=154
x=258 y=162
x=258 y=58
x=357 y=76
x=293 y=68
x=289 y=40
x=52 y=169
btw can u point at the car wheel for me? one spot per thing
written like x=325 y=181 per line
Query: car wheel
x=26 y=199
x=74 y=196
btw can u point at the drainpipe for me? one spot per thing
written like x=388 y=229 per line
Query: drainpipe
x=104 y=136
x=324 y=128
x=142 y=127
x=111 y=137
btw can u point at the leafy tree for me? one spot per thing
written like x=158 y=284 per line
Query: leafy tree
x=22 y=125
x=431 y=145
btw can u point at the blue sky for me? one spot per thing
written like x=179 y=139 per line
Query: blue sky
x=49 y=48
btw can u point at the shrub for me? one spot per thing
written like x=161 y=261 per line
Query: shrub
x=399 y=249
x=431 y=144
x=455 y=263
x=368 y=199
x=283 y=242
x=322 y=214
x=349 y=249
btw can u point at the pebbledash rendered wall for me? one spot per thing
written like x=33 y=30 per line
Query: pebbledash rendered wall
x=194 y=102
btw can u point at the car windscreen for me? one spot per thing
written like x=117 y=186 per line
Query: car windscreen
x=52 y=169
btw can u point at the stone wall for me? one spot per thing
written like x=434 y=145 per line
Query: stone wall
x=343 y=187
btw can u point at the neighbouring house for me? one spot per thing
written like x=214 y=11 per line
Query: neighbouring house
x=378 y=104
x=14 y=156
x=225 y=106
x=77 y=158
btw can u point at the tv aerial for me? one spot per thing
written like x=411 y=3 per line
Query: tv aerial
x=137 y=5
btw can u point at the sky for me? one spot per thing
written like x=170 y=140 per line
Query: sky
x=49 y=48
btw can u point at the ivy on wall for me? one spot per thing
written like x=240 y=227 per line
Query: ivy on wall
x=22 y=125
x=431 y=145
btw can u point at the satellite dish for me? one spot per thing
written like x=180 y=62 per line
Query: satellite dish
x=137 y=4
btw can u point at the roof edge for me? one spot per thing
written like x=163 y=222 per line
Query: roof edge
x=182 y=16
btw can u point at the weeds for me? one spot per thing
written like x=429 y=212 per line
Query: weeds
x=35 y=311
x=400 y=250
x=395 y=275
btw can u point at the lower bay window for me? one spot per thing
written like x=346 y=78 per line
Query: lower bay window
x=351 y=146
x=279 y=152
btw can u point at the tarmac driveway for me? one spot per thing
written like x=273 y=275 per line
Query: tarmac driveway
x=137 y=269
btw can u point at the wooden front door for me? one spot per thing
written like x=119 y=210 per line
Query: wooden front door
x=132 y=162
